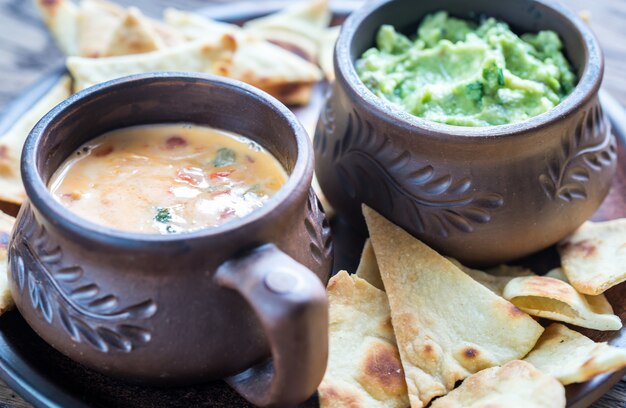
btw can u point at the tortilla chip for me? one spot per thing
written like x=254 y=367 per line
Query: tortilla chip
x=97 y=22
x=6 y=225
x=61 y=18
x=594 y=257
x=199 y=56
x=298 y=28
x=257 y=62
x=509 y=270
x=193 y=26
x=327 y=51
x=11 y=143
x=551 y=298
x=494 y=283
x=364 y=368
x=312 y=14
x=516 y=384
x=368 y=267
x=271 y=68
x=447 y=325
x=597 y=302
x=571 y=357
x=169 y=35
x=134 y=35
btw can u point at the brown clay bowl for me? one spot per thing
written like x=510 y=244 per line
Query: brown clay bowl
x=244 y=300
x=484 y=194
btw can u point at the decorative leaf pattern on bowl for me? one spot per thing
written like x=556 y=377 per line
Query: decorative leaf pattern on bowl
x=58 y=290
x=435 y=202
x=589 y=147
x=326 y=125
x=317 y=227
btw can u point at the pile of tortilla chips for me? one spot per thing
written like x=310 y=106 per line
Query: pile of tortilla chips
x=281 y=54
x=412 y=314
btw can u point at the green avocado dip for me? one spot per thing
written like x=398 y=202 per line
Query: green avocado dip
x=468 y=74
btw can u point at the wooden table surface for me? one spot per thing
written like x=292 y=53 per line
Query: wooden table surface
x=27 y=51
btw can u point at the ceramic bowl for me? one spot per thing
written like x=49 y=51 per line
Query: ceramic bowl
x=481 y=194
x=244 y=300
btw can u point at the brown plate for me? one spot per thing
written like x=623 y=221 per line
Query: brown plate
x=46 y=378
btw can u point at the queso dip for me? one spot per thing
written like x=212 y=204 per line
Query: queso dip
x=164 y=179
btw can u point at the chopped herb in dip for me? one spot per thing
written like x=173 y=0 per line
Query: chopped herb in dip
x=464 y=73
x=225 y=157
x=163 y=215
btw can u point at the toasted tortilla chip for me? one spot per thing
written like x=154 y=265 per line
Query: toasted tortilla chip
x=11 y=143
x=169 y=35
x=551 y=298
x=516 y=384
x=61 y=17
x=312 y=14
x=510 y=270
x=594 y=257
x=571 y=357
x=271 y=68
x=6 y=225
x=256 y=61
x=364 y=368
x=199 y=56
x=196 y=27
x=495 y=283
x=134 y=35
x=447 y=325
x=97 y=22
x=599 y=303
x=368 y=267
x=327 y=51
x=298 y=28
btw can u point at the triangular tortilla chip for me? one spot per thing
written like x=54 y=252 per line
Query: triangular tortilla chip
x=551 y=298
x=509 y=270
x=516 y=384
x=134 y=35
x=199 y=56
x=571 y=357
x=364 y=368
x=447 y=325
x=299 y=27
x=257 y=62
x=97 y=22
x=368 y=267
x=594 y=257
x=599 y=303
x=61 y=17
x=6 y=225
x=274 y=70
x=11 y=143
x=327 y=52
x=495 y=283
x=196 y=27
x=169 y=35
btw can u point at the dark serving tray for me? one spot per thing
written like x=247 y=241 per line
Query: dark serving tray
x=46 y=378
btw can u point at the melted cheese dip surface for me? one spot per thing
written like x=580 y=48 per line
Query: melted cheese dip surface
x=164 y=179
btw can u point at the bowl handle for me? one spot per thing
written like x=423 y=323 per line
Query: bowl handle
x=290 y=302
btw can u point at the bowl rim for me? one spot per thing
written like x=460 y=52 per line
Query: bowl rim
x=54 y=212
x=586 y=88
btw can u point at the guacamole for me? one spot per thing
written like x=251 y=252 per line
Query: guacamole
x=468 y=74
